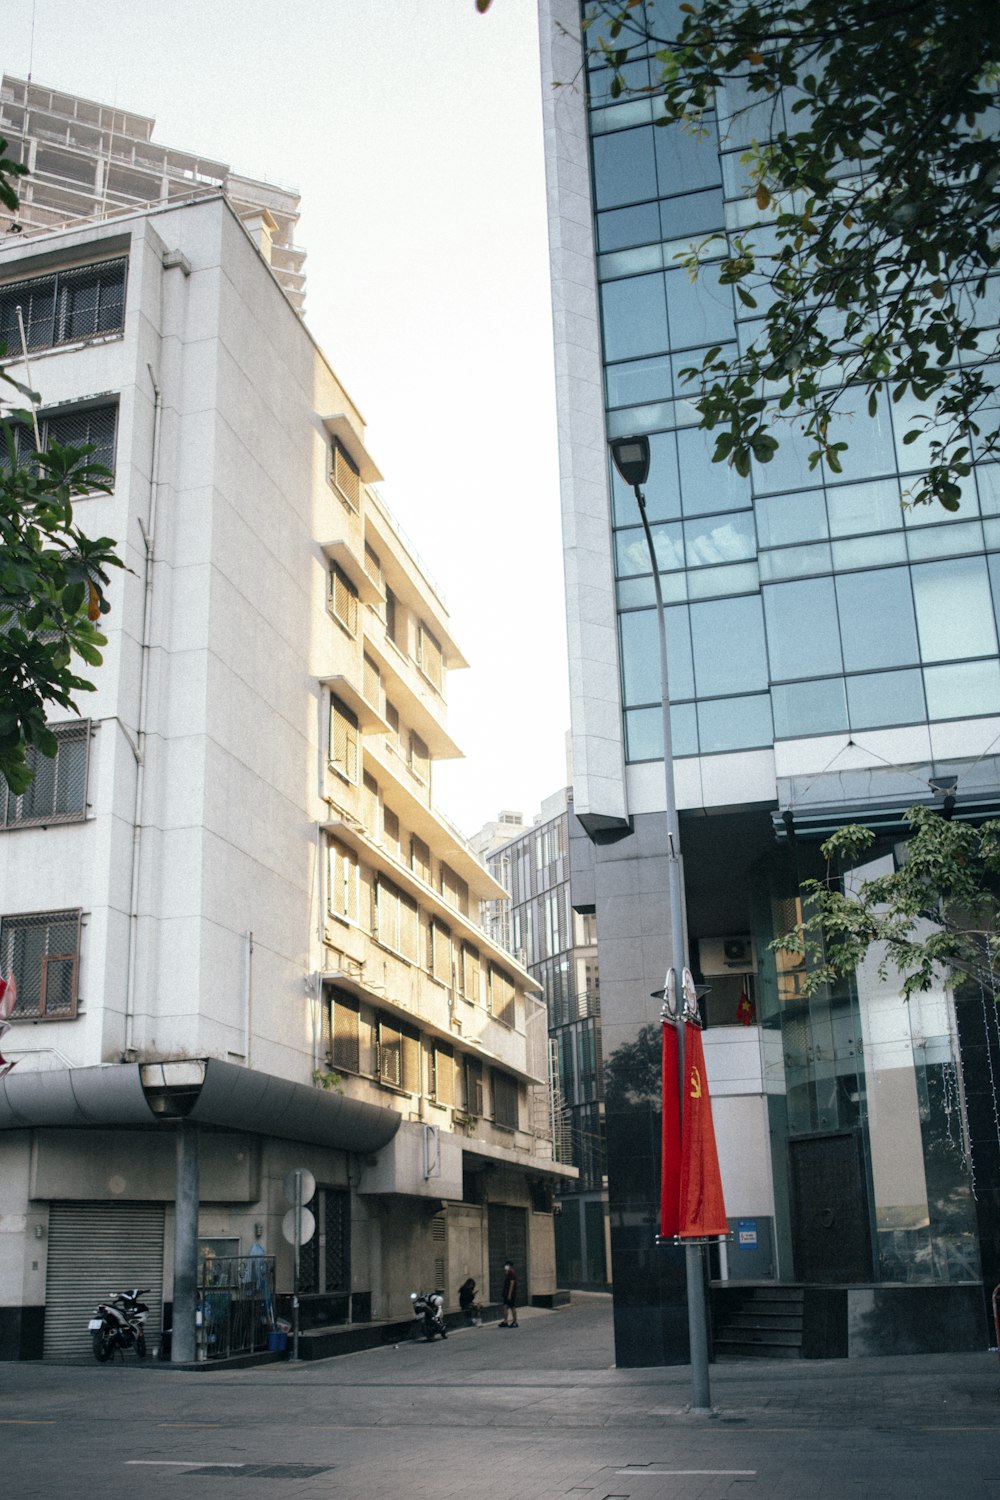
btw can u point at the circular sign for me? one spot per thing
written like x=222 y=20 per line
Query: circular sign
x=307 y=1186
x=307 y=1228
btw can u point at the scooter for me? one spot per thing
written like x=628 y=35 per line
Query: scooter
x=119 y=1325
x=430 y=1307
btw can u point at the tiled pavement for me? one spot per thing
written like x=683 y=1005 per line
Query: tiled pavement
x=528 y=1414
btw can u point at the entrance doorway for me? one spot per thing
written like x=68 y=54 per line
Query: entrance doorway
x=831 y=1235
x=508 y=1236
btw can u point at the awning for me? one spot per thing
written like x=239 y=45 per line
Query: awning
x=213 y=1093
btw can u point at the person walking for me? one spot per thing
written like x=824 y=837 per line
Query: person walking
x=509 y=1296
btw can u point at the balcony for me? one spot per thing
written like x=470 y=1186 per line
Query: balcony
x=420 y=708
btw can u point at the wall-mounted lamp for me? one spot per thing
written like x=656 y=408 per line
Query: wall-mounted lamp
x=39 y=1231
x=258 y=1231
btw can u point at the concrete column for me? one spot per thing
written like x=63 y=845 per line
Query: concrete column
x=185 y=1244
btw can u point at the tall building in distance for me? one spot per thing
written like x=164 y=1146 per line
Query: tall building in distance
x=88 y=160
x=245 y=942
x=833 y=657
x=553 y=936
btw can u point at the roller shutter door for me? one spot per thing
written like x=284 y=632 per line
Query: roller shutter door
x=508 y=1240
x=95 y=1250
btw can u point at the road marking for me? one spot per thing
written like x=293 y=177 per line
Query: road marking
x=177 y=1463
x=27 y=1421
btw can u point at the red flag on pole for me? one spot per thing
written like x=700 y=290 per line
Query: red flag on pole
x=702 y=1210
x=670 y=1169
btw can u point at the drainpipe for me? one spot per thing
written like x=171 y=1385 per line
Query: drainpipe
x=148 y=534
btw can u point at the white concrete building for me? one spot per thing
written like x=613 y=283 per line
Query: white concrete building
x=244 y=941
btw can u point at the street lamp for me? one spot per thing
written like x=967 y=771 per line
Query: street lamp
x=631 y=459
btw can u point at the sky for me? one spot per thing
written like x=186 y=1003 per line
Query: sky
x=412 y=129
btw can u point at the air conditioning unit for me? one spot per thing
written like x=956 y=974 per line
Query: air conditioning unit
x=727 y=955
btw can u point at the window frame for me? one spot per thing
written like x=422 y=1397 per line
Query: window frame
x=505 y=1093
x=63 y=282
x=344 y=475
x=342 y=600
x=21 y=922
x=350 y=765
x=343 y=874
x=72 y=732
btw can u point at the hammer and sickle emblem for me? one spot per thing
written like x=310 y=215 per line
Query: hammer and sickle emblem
x=695 y=1084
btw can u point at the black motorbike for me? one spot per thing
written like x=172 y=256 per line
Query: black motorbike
x=429 y=1308
x=119 y=1325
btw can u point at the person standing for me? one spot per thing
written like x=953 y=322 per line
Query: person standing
x=509 y=1296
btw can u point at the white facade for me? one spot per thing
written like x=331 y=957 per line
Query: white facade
x=265 y=720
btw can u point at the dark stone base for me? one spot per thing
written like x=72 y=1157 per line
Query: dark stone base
x=22 y=1332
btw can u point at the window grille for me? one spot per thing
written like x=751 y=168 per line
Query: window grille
x=42 y=949
x=346 y=1049
x=429 y=657
x=501 y=997
x=345 y=474
x=343 y=600
x=398 y=1056
x=58 y=790
x=342 y=882
x=67 y=306
x=343 y=739
x=325 y=1260
x=505 y=1111
x=75 y=427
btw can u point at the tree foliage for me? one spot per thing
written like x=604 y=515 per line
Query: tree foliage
x=936 y=915
x=872 y=181
x=52 y=576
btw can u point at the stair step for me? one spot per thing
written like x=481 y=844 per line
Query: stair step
x=756 y=1351
x=760 y=1337
x=760 y=1319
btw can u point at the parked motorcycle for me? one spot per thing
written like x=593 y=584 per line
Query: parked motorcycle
x=120 y=1324
x=429 y=1306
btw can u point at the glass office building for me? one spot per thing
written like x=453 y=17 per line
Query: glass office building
x=833 y=657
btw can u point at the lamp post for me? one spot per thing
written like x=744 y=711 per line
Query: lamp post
x=631 y=459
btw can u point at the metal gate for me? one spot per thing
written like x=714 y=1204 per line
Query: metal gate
x=95 y=1250
x=508 y=1240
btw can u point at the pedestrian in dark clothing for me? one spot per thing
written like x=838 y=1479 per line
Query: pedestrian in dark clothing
x=509 y=1296
x=467 y=1302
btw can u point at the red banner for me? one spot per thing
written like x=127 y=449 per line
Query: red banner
x=670 y=1170
x=702 y=1210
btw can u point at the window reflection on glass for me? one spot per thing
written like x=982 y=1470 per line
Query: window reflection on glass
x=720 y=539
x=795 y=562
x=624 y=167
x=706 y=487
x=859 y=509
x=869 y=551
x=945 y=541
x=727 y=638
x=735 y=723
x=880 y=699
x=644 y=732
x=699 y=312
x=802 y=634
x=638 y=380
x=635 y=316
x=988 y=480
x=963 y=690
x=933 y=515
x=685 y=161
x=620 y=228
x=783 y=519
x=954 y=609
x=803 y=708
x=632 y=554
x=877 y=626
x=641 y=655
x=789 y=468
x=662 y=488
x=693 y=213
x=733 y=578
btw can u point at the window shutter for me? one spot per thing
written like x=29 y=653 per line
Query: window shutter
x=343 y=599
x=441 y=952
x=444 y=1060
x=345 y=475
x=343 y=739
x=346 y=1041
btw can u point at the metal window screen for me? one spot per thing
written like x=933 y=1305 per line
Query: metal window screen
x=41 y=949
x=63 y=308
x=346 y=1052
x=58 y=790
x=504 y=1101
x=77 y=427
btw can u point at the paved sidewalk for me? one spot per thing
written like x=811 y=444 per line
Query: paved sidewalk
x=531 y=1413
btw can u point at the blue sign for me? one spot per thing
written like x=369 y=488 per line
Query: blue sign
x=746 y=1234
